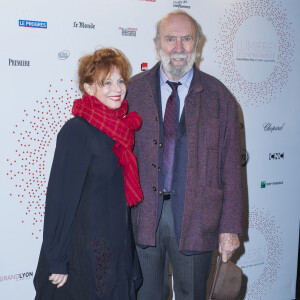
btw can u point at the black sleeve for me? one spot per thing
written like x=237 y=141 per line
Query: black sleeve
x=70 y=166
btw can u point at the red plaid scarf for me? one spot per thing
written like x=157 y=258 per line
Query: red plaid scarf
x=120 y=127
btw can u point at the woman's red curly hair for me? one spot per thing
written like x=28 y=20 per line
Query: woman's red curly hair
x=100 y=64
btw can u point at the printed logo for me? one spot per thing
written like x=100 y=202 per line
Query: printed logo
x=181 y=4
x=255 y=64
x=270 y=127
x=262 y=256
x=128 y=31
x=256 y=255
x=84 y=25
x=18 y=63
x=256 y=51
x=62 y=55
x=33 y=24
x=20 y=276
x=264 y=184
x=276 y=156
x=144 y=66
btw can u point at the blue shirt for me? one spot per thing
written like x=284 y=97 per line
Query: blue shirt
x=165 y=89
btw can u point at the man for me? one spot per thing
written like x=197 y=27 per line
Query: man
x=188 y=153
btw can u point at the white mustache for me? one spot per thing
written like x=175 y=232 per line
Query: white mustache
x=178 y=56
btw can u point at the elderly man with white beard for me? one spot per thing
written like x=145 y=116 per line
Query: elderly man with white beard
x=188 y=153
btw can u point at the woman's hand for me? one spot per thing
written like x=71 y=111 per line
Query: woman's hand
x=59 y=279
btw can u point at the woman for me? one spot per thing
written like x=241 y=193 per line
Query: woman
x=88 y=250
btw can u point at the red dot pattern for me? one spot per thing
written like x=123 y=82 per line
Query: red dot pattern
x=29 y=167
x=247 y=92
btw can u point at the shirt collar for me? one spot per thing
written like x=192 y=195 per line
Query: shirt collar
x=185 y=80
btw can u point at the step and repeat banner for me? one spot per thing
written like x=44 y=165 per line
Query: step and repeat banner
x=250 y=45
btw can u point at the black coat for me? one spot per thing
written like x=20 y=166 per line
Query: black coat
x=87 y=228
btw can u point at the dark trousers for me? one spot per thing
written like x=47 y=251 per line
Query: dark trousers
x=190 y=272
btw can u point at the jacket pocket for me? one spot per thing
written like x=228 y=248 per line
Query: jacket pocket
x=211 y=209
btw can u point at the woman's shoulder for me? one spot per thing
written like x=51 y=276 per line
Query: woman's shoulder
x=79 y=128
x=76 y=123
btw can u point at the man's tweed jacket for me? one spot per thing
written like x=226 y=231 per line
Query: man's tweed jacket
x=213 y=195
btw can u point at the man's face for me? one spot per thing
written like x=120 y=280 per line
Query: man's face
x=176 y=46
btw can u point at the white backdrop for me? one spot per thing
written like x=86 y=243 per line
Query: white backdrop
x=250 y=45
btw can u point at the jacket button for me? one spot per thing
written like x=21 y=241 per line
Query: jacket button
x=153 y=165
x=159 y=169
x=154 y=188
x=160 y=145
x=154 y=142
x=160 y=192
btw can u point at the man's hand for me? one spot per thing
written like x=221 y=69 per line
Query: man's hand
x=59 y=279
x=228 y=243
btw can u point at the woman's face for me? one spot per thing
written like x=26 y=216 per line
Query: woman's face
x=112 y=92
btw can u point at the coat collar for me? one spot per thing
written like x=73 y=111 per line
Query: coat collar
x=152 y=77
x=196 y=84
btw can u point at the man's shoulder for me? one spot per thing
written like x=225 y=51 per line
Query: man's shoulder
x=138 y=77
x=209 y=80
x=212 y=84
x=146 y=75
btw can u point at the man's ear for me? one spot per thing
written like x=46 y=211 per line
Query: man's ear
x=89 y=89
x=156 y=44
x=157 y=48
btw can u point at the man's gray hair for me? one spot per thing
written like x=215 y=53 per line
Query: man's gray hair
x=174 y=13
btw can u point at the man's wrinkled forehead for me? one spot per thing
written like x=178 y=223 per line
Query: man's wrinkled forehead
x=174 y=25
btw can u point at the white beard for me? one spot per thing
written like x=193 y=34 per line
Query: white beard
x=177 y=73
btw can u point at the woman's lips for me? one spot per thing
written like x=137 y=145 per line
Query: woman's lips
x=115 y=98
